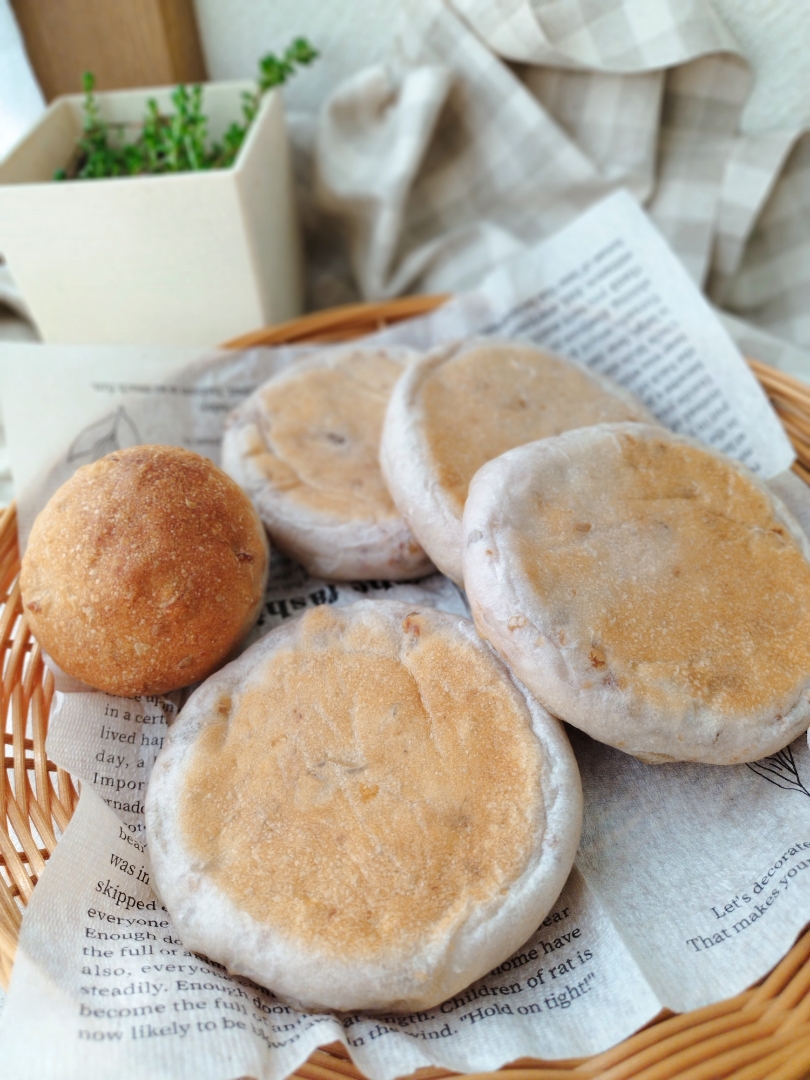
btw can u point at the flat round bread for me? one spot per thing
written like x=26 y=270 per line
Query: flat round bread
x=647 y=589
x=464 y=404
x=363 y=811
x=305 y=447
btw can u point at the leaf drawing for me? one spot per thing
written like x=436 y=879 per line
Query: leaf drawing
x=116 y=431
x=781 y=770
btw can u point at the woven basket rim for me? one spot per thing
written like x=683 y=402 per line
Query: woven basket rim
x=761 y=1032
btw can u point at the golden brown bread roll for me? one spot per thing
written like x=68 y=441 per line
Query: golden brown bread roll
x=144 y=570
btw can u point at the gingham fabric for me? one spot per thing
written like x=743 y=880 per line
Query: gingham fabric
x=497 y=121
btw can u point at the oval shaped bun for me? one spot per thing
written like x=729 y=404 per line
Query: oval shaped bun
x=363 y=811
x=305 y=446
x=462 y=405
x=647 y=589
x=144 y=571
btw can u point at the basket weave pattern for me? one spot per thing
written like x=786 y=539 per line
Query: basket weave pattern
x=763 y=1032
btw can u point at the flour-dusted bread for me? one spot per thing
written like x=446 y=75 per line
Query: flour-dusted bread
x=462 y=405
x=306 y=448
x=144 y=571
x=646 y=589
x=364 y=811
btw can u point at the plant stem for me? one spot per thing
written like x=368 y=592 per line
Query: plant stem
x=178 y=142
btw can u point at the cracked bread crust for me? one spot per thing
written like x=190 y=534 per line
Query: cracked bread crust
x=305 y=446
x=462 y=405
x=144 y=571
x=364 y=811
x=646 y=589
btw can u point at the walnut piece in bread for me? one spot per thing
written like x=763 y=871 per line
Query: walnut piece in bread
x=144 y=571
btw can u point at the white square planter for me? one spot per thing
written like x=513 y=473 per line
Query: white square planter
x=186 y=258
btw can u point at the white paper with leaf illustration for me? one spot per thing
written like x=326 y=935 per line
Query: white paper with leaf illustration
x=691 y=881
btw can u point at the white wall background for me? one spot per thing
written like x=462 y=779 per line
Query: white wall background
x=349 y=34
x=21 y=100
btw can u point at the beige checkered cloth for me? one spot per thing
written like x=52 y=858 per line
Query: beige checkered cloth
x=497 y=121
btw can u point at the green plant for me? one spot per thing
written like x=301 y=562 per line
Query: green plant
x=177 y=142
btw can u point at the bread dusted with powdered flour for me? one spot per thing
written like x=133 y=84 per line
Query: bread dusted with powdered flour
x=462 y=405
x=306 y=447
x=364 y=811
x=647 y=589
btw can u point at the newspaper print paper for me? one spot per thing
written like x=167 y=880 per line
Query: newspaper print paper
x=690 y=881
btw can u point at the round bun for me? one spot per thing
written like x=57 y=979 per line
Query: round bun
x=306 y=448
x=364 y=811
x=646 y=589
x=466 y=403
x=144 y=571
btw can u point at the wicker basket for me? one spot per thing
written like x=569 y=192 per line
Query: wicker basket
x=763 y=1032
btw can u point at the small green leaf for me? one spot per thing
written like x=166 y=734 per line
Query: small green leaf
x=177 y=142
